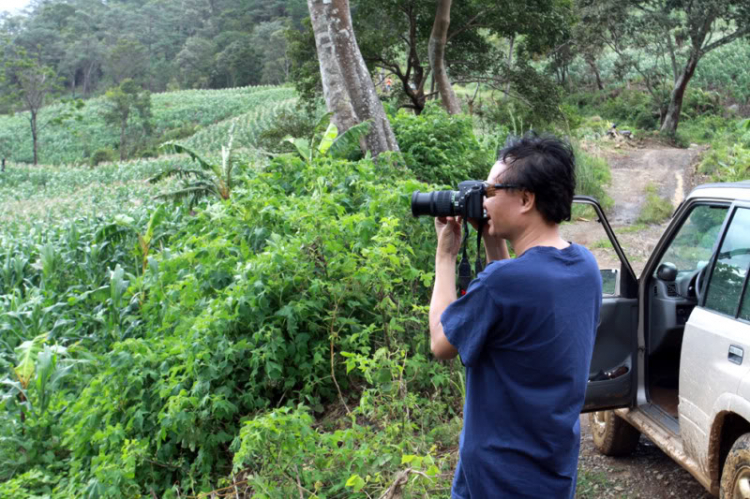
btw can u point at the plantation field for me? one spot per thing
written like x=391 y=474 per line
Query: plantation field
x=53 y=194
x=74 y=140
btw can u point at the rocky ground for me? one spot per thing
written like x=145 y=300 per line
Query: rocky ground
x=648 y=473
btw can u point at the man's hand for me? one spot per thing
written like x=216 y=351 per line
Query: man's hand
x=449 y=237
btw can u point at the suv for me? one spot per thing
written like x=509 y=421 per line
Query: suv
x=669 y=355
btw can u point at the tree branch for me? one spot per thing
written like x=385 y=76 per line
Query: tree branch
x=469 y=25
x=727 y=39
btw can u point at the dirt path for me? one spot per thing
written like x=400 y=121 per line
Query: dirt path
x=648 y=473
x=668 y=170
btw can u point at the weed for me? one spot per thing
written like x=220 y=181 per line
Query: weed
x=656 y=209
x=603 y=243
x=591 y=484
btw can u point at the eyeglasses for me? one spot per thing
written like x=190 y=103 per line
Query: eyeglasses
x=491 y=189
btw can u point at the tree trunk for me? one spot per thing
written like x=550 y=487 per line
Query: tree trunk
x=34 y=136
x=123 y=127
x=510 y=62
x=672 y=118
x=334 y=86
x=347 y=84
x=436 y=50
x=595 y=69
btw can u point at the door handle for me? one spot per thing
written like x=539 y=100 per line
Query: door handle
x=735 y=354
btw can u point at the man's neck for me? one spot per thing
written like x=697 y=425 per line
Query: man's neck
x=542 y=234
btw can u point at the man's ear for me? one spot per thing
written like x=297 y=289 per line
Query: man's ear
x=528 y=199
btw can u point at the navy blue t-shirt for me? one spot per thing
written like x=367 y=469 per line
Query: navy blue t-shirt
x=525 y=331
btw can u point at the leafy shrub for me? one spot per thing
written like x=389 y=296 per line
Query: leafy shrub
x=727 y=163
x=289 y=122
x=704 y=128
x=102 y=156
x=632 y=106
x=248 y=307
x=440 y=148
x=592 y=174
x=699 y=102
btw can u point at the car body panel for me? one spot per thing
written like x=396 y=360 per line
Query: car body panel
x=714 y=376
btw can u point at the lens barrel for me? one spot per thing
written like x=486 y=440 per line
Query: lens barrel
x=434 y=204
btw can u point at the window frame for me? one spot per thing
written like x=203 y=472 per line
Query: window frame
x=733 y=209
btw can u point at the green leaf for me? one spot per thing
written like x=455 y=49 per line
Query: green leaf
x=303 y=148
x=180 y=149
x=356 y=482
x=156 y=217
x=27 y=353
x=328 y=138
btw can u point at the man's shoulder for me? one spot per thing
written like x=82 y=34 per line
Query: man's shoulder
x=542 y=260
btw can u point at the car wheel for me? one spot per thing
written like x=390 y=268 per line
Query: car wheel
x=735 y=477
x=613 y=436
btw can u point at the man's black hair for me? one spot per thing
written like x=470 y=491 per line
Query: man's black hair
x=545 y=166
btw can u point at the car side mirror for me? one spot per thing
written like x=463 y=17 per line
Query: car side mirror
x=667 y=271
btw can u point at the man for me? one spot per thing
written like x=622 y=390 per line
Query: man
x=525 y=329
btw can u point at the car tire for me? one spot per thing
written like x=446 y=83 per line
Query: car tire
x=735 y=477
x=612 y=435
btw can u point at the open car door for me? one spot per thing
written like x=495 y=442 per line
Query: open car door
x=612 y=378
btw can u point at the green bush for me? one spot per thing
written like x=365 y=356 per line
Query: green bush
x=440 y=148
x=631 y=106
x=296 y=123
x=592 y=174
x=242 y=308
x=102 y=156
x=698 y=102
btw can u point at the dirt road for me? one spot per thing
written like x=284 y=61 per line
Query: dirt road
x=648 y=473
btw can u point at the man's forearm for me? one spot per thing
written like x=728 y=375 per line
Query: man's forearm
x=443 y=294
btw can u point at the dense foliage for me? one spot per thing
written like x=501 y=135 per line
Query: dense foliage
x=93 y=45
x=308 y=260
x=273 y=341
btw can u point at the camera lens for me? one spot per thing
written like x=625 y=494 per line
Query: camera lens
x=434 y=204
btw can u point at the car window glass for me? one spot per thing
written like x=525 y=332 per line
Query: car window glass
x=588 y=232
x=725 y=286
x=691 y=248
x=745 y=310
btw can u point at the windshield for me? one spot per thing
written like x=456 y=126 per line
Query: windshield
x=691 y=247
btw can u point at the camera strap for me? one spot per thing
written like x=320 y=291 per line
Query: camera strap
x=464 y=267
x=478 y=266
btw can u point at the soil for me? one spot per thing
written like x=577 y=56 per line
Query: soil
x=671 y=171
x=648 y=473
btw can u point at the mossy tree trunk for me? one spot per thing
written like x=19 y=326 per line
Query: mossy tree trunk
x=347 y=85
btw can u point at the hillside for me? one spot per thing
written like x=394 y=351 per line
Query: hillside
x=175 y=115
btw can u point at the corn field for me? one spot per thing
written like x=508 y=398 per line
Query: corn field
x=73 y=140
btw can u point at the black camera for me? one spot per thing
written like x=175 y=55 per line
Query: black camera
x=466 y=202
